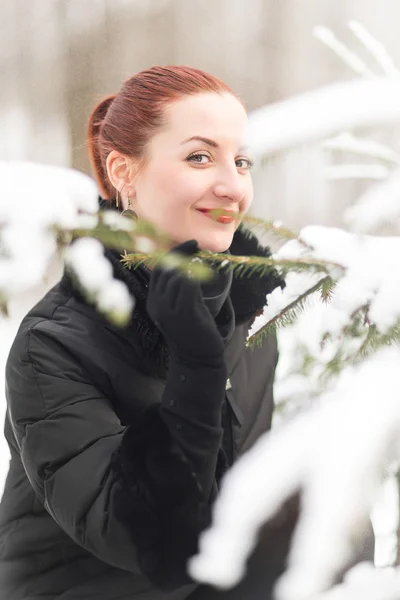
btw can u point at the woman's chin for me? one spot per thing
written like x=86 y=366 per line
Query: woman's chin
x=215 y=243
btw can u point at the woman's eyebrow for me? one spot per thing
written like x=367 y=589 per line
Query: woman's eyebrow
x=201 y=139
x=207 y=141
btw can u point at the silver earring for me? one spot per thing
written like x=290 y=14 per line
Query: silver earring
x=128 y=212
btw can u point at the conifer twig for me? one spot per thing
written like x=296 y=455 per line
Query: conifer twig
x=270 y=227
x=255 y=339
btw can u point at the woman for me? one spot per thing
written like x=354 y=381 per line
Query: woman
x=119 y=437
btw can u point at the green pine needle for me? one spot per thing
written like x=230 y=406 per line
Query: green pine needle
x=286 y=316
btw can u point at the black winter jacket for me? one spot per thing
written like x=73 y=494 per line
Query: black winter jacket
x=110 y=439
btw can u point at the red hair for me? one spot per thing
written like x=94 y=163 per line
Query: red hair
x=126 y=121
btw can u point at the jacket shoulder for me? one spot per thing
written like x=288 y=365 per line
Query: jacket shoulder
x=61 y=315
x=57 y=336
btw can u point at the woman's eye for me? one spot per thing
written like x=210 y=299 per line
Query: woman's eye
x=247 y=163
x=241 y=163
x=197 y=158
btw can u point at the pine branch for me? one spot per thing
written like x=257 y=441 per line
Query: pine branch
x=193 y=267
x=129 y=242
x=286 y=316
x=334 y=366
x=359 y=328
x=246 y=266
x=270 y=227
x=327 y=289
x=128 y=237
x=116 y=240
x=374 y=341
x=204 y=264
x=3 y=306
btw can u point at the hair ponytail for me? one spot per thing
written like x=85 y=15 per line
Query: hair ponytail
x=96 y=147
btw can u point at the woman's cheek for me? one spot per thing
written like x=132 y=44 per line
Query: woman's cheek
x=247 y=202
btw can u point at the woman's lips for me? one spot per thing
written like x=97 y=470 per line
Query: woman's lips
x=222 y=219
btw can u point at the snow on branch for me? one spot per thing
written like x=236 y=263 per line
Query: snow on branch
x=41 y=208
x=325 y=111
x=361 y=311
x=35 y=198
x=337 y=493
x=94 y=274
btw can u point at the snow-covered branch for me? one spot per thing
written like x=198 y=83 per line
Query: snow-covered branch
x=43 y=209
x=41 y=206
x=363 y=309
x=337 y=493
x=320 y=113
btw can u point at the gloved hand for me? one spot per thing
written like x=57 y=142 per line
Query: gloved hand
x=176 y=306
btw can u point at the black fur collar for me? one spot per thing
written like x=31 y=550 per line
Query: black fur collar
x=248 y=294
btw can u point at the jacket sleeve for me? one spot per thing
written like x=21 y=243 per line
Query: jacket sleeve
x=136 y=497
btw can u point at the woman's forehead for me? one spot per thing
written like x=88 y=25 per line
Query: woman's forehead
x=209 y=115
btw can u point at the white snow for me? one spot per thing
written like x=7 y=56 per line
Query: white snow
x=44 y=199
x=370 y=277
x=323 y=112
x=45 y=194
x=95 y=274
x=313 y=452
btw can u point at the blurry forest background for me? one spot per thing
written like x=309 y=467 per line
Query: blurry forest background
x=59 y=57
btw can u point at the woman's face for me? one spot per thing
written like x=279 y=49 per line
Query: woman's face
x=185 y=174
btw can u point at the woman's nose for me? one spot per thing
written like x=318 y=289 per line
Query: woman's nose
x=230 y=184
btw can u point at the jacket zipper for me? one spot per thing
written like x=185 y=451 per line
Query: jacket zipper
x=233 y=411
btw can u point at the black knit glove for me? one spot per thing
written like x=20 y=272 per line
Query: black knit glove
x=176 y=306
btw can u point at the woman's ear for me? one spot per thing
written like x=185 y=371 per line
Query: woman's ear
x=119 y=170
